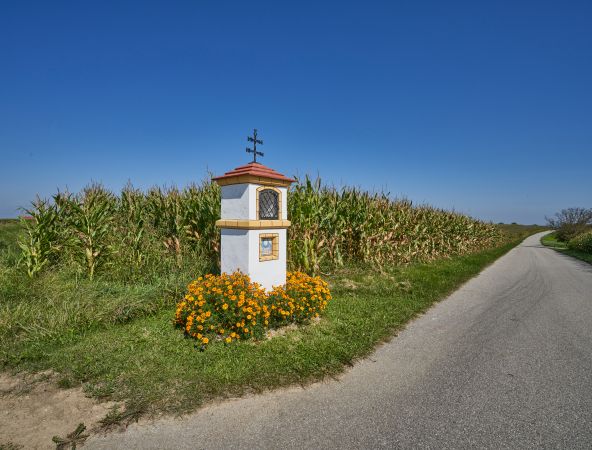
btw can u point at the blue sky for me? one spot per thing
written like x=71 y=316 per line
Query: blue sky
x=484 y=107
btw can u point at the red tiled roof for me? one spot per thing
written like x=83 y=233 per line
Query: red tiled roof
x=257 y=170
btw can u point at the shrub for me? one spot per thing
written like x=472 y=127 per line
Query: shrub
x=583 y=242
x=570 y=222
x=232 y=307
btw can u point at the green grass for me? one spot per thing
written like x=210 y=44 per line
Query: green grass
x=145 y=362
x=550 y=240
x=9 y=232
x=578 y=254
x=117 y=339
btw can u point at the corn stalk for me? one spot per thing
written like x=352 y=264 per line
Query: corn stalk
x=90 y=219
x=41 y=240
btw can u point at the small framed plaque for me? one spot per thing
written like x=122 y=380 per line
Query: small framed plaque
x=268 y=246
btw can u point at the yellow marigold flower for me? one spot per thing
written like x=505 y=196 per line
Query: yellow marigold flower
x=301 y=298
x=205 y=340
x=228 y=340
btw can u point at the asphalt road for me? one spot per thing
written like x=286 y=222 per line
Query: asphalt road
x=504 y=362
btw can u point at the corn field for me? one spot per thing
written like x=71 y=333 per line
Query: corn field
x=332 y=227
x=137 y=234
x=128 y=236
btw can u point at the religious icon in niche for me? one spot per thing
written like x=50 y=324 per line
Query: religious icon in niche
x=268 y=204
x=268 y=246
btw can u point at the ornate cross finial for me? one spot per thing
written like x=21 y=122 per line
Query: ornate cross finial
x=255 y=141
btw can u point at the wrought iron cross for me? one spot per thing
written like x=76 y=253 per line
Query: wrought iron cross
x=255 y=141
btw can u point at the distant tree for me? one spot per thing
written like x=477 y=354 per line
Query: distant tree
x=570 y=222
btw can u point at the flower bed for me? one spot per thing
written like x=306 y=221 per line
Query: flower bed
x=231 y=307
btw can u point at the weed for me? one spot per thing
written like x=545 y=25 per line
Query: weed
x=10 y=446
x=71 y=440
x=123 y=417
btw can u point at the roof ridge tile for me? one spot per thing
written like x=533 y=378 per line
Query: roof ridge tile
x=255 y=169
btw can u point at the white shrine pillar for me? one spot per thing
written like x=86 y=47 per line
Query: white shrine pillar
x=254 y=223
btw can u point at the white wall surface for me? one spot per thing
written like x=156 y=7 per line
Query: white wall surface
x=240 y=251
x=235 y=202
x=239 y=201
x=267 y=273
x=234 y=253
x=253 y=201
x=284 y=213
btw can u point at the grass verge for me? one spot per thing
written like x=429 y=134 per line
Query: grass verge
x=148 y=364
x=550 y=240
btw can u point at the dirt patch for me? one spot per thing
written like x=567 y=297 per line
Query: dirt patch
x=275 y=332
x=280 y=331
x=33 y=409
x=349 y=284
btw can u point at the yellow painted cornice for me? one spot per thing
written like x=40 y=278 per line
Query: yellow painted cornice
x=252 y=224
